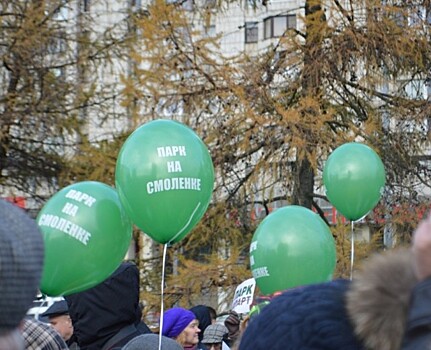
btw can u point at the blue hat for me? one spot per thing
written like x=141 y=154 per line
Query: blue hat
x=175 y=320
x=310 y=317
x=57 y=309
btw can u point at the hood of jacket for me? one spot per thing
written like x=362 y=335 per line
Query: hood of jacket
x=378 y=299
x=100 y=312
x=203 y=315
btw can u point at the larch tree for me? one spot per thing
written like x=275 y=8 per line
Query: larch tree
x=51 y=56
x=349 y=71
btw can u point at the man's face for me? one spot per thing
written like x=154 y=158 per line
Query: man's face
x=63 y=325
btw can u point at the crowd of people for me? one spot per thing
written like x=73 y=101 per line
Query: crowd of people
x=386 y=306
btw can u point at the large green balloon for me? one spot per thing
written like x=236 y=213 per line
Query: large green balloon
x=354 y=177
x=86 y=233
x=165 y=177
x=291 y=247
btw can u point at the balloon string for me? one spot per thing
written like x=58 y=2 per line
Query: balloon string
x=165 y=247
x=352 y=250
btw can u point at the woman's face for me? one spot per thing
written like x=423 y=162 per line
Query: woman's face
x=191 y=333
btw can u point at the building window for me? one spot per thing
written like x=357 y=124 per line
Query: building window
x=251 y=32
x=276 y=26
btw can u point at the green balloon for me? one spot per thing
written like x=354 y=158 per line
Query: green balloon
x=291 y=247
x=354 y=177
x=165 y=177
x=86 y=233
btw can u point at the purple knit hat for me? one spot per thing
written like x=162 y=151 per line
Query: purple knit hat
x=175 y=320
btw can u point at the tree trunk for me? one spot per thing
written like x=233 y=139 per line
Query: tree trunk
x=304 y=184
x=304 y=174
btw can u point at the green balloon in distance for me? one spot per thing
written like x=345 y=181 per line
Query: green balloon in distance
x=291 y=247
x=354 y=177
x=86 y=233
x=165 y=177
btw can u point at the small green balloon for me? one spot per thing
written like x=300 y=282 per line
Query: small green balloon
x=86 y=233
x=291 y=247
x=354 y=177
x=165 y=177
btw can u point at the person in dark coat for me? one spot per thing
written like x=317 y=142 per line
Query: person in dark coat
x=203 y=315
x=108 y=315
x=418 y=330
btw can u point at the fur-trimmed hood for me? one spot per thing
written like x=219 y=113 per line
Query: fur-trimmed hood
x=378 y=299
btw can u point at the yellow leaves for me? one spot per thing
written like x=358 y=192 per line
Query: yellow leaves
x=194 y=277
x=305 y=125
x=362 y=248
x=261 y=115
x=100 y=168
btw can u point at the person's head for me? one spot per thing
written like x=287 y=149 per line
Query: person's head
x=213 y=336
x=310 y=317
x=21 y=261
x=58 y=316
x=63 y=325
x=40 y=336
x=114 y=303
x=150 y=341
x=203 y=315
x=181 y=324
x=213 y=314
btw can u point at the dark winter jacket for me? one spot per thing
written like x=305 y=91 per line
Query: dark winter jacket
x=110 y=309
x=418 y=332
x=368 y=313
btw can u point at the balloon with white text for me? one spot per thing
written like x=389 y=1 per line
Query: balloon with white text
x=86 y=233
x=165 y=177
x=291 y=247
